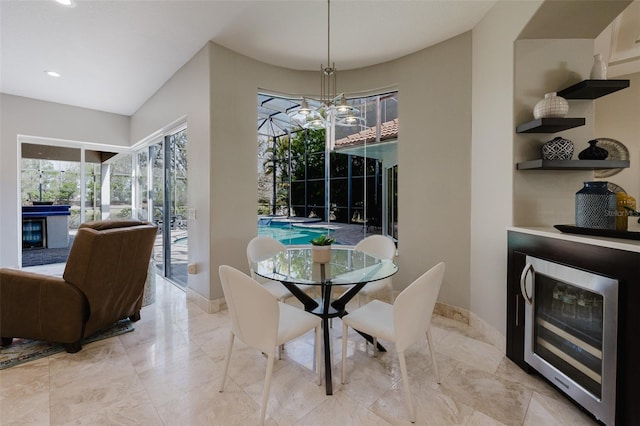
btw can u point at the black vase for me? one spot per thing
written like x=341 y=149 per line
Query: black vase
x=593 y=152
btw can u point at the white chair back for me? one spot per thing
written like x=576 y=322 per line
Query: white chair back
x=413 y=307
x=253 y=310
x=379 y=246
x=260 y=248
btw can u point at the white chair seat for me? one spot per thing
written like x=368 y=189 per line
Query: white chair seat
x=294 y=322
x=278 y=290
x=375 y=287
x=375 y=318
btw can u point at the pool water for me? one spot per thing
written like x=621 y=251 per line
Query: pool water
x=291 y=235
x=283 y=232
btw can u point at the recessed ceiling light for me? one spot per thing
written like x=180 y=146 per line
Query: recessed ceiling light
x=52 y=74
x=68 y=3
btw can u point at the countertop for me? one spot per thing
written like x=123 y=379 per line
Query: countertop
x=551 y=232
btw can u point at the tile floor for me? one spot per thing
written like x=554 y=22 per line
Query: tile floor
x=168 y=370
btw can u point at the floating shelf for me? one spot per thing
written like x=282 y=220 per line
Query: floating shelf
x=593 y=89
x=572 y=164
x=550 y=125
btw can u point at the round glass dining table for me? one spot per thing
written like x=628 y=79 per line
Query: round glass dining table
x=348 y=267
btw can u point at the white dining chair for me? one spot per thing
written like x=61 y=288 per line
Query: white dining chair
x=261 y=322
x=381 y=247
x=263 y=247
x=404 y=323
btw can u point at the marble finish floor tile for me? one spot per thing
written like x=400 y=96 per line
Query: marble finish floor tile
x=168 y=372
x=500 y=399
x=545 y=410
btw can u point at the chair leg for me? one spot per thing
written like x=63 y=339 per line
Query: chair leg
x=318 y=354
x=405 y=383
x=345 y=330
x=267 y=385
x=432 y=352
x=280 y=350
x=74 y=347
x=375 y=346
x=227 y=358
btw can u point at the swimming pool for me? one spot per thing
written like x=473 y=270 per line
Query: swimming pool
x=289 y=234
x=286 y=233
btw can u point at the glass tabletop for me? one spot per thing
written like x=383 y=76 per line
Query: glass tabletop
x=347 y=266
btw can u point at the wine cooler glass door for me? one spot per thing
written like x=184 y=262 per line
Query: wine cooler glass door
x=570 y=333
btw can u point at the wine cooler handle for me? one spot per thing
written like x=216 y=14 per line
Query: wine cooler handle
x=523 y=284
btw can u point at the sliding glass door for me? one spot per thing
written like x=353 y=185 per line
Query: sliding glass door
x=161 y=197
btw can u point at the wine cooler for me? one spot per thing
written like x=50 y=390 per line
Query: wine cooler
x=34 y=233
x=571 y=332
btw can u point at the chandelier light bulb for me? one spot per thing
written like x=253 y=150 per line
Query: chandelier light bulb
x=304 y=108
x=343 y=108
x=350 y=119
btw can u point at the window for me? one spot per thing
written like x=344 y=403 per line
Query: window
x=303 y=179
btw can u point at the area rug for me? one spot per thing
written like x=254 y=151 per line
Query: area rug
x=24 y=350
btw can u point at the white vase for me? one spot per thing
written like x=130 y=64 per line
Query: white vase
x=599 y=68
x=321 y=254
x=551 y=106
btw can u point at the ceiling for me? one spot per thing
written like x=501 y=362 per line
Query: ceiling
x=113 y=55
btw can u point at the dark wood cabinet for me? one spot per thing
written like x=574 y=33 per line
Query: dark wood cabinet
x=623 y=265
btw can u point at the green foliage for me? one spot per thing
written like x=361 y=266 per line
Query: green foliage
x=125 y=213
x=322 y=240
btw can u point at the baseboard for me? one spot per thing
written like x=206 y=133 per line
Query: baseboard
x=494 y=337
x=465 y=316
x=452 y=312
x=209 y=306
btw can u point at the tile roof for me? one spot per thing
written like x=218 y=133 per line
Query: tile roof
x=389 y=130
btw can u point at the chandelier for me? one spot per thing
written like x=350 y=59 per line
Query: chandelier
x=331 y=108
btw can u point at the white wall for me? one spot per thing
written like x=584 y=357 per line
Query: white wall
x=434 y=155
x=30 y=117
x=434 y=88
x=492 y=156
x=547 y=197
x=434 y=160
x=235 y=81
x=186 y=94
x=216 y=91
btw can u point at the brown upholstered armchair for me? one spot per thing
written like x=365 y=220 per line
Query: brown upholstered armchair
x=103 y=282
